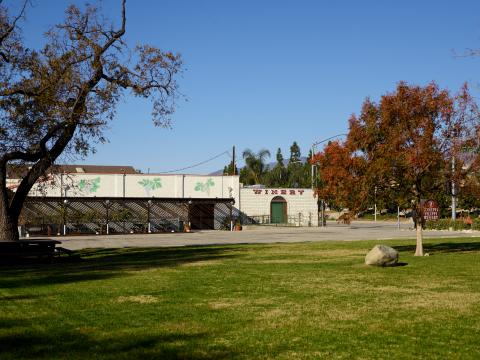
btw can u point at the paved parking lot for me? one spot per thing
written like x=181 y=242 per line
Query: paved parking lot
x=260 y=235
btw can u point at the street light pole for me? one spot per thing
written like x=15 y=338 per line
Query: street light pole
x=65 y=204
x=454 y=192
x=313 y=166
x=314 y=175
x=398 y=217
x=149 y=226
x=107 y=208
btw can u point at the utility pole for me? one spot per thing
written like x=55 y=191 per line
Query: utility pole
x=315 y=176
x=233 y=160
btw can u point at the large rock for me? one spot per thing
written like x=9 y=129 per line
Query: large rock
x=382 y=255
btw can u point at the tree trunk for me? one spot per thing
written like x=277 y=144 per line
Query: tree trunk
x=8 y=225
x=419 y=248
x=419 y=228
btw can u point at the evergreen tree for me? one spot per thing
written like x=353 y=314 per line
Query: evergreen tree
x=307 y=171
x=279 y=158
x=295 y=152
x=277 y=177
x=228 y=169
x=294 y=168
x=245 y=177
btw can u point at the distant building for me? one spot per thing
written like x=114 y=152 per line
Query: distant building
x=279 y=206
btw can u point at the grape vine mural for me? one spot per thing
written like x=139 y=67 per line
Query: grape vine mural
x=89 y=186
x=204 y=187
x=150 y=185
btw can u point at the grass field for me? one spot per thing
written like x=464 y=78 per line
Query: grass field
x=288 y=301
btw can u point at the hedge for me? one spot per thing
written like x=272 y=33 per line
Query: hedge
x=446 y=224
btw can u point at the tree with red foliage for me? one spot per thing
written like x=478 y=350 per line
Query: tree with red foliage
x=341 y=172
x=404 y=147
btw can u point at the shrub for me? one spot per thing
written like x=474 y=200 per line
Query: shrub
x=446 y=224
x=476 y=224
x=225 y=225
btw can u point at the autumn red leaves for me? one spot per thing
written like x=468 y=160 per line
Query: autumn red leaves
x=400 y=149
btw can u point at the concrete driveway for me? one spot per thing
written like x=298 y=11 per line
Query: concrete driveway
x=260 y=235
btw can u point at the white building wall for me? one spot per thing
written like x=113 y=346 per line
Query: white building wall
x=138 y=185
x=256 y=202
x=252 y=202
x=151 y=185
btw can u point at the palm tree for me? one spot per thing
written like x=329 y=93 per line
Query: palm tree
x=255 y=163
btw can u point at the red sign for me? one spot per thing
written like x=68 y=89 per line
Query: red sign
x=431 y=210
x=278 y=191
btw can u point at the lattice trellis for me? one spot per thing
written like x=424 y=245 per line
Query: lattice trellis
x=50 y=216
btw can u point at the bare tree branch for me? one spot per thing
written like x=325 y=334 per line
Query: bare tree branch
x=58 y=99
x=10 y=29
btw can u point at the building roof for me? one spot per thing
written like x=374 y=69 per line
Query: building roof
x=19 y=171
x=95 y=169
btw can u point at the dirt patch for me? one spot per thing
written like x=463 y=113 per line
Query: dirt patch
x=217 y=305
x=303 y=257
x=286 y=261
x=334 y=314
x=450 y=300
x=321 y=253
x=139 y=299
x=279 y=317
x=338 y=252
x=230 y=303
x=274 y=314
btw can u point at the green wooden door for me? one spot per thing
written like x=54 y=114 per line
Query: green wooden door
x=278 y=212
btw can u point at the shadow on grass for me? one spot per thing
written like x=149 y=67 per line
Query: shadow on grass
x=18 y=297
x=68 y=344
x=8 y=324
x=443 y=247
x=98 y=264
x=399 y=264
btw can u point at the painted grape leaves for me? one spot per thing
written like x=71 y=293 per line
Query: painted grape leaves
x=204 y=187
x=150 y=185
x=89 y=186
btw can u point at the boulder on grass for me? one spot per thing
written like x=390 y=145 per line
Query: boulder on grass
x=382 y=255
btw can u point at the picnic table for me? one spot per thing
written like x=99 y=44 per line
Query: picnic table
x=41 y=248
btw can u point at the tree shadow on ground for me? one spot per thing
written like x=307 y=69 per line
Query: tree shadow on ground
x=75 y=344
x=98 y=264
x=443 y=247
x=399 y=264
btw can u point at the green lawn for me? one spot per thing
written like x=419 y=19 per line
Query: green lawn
x=288 y=301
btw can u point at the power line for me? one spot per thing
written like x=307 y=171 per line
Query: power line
x=198 y=164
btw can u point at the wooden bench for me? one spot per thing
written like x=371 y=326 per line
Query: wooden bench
x=41 y=248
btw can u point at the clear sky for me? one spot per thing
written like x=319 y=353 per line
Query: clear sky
x=261 y=74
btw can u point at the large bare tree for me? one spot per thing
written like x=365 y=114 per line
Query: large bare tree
x=58 y=99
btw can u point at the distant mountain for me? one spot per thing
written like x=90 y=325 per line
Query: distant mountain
x=270 y=165
x=217 y=173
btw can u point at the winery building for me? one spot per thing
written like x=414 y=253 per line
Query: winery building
x=88 y=197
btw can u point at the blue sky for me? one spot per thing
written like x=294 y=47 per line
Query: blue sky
x=261 y=74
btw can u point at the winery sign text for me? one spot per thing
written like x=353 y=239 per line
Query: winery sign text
x=278 y=191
